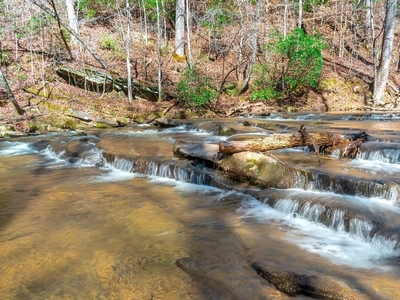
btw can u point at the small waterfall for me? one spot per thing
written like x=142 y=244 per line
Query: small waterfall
x=178 y=173
x=360 y=229
x=349 y=186
x=378 y=153
x=390 y=242
x=178 y=170
x=388 y=155
x=336 y=219
x=122 y=164
x=314 y=212
x=341 y=220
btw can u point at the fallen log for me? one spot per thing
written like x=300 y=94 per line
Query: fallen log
x=290 y=140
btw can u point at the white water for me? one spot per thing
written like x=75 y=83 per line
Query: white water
x=337 y=247
x=15 y=148
x=333 y=243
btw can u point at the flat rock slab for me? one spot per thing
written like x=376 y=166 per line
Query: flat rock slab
x=204 y=151
x=320 y=287
x=229 y=280
x=166 y=122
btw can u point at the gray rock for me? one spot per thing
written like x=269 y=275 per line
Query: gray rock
x=80 y=115
x=321 y=287
x=203 y=151
x=167 y=122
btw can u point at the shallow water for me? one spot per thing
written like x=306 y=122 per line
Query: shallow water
x=72 y=230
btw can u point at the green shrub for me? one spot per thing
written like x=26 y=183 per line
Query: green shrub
x=195 y=89
x=109 y=43
x=89 y=8
x=113 y=45
x=292 y=66
x=4 y=56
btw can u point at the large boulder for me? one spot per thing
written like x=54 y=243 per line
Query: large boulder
x=262 y=170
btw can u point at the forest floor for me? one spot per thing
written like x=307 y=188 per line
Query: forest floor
x=49 y=101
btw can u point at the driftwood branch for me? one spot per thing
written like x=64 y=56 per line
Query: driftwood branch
x=303 y=131
x=348 y=142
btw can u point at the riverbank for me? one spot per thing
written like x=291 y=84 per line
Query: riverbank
x=58 y=106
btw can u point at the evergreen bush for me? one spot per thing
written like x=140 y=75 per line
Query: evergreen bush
x=291 y=66
x=194 y=89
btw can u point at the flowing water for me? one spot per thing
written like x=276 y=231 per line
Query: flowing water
x=106 y=215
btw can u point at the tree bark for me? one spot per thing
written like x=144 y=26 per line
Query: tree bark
x=73 y=21
x=386 y=56
x=159 y=68
x=180 y=29
x=10 y=94
x=289 y=140
x=128 y=52
x=61 y=32
x=256 y=24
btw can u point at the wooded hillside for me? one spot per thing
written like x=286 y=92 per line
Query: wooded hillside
x=198 y=53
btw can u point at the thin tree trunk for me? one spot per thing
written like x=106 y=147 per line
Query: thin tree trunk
x=386 y=55
x=300 y=21
x=285 y=19
x=368 y=17
x=256 y=23
x=70 y=30
x=61 y=31
x=73 y=21
x=159 y=37
x=128 y=52
x=188 y=34
x=180 y=30
x=10 y=94
x=374 y=51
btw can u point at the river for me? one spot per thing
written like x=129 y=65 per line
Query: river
x=80 y=220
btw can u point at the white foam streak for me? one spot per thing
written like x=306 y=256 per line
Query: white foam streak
x=374 y=166
x=114 y=176
x=338 y=247
x=15 y=149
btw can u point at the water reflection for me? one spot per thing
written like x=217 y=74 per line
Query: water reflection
x=73 y=226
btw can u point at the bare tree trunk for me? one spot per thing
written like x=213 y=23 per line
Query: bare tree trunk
x=180 y=30
x=146 y=34
x=128 y=52
x=70 y=30
x=289 y=140
x=368 y=16
x=256 y=23
x=300 y=21
x=188 y=33
x=386 y=55
x=10 y=94
x=159 y=37
x=61 y=32
x=285 y=19
x=373 y=38
x=73 y=21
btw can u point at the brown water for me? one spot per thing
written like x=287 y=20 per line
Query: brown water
x=69 y=232
x=65 y=237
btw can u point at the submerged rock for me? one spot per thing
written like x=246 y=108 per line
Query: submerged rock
x=228 y=280
x=226 y=131
x=320 y=287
